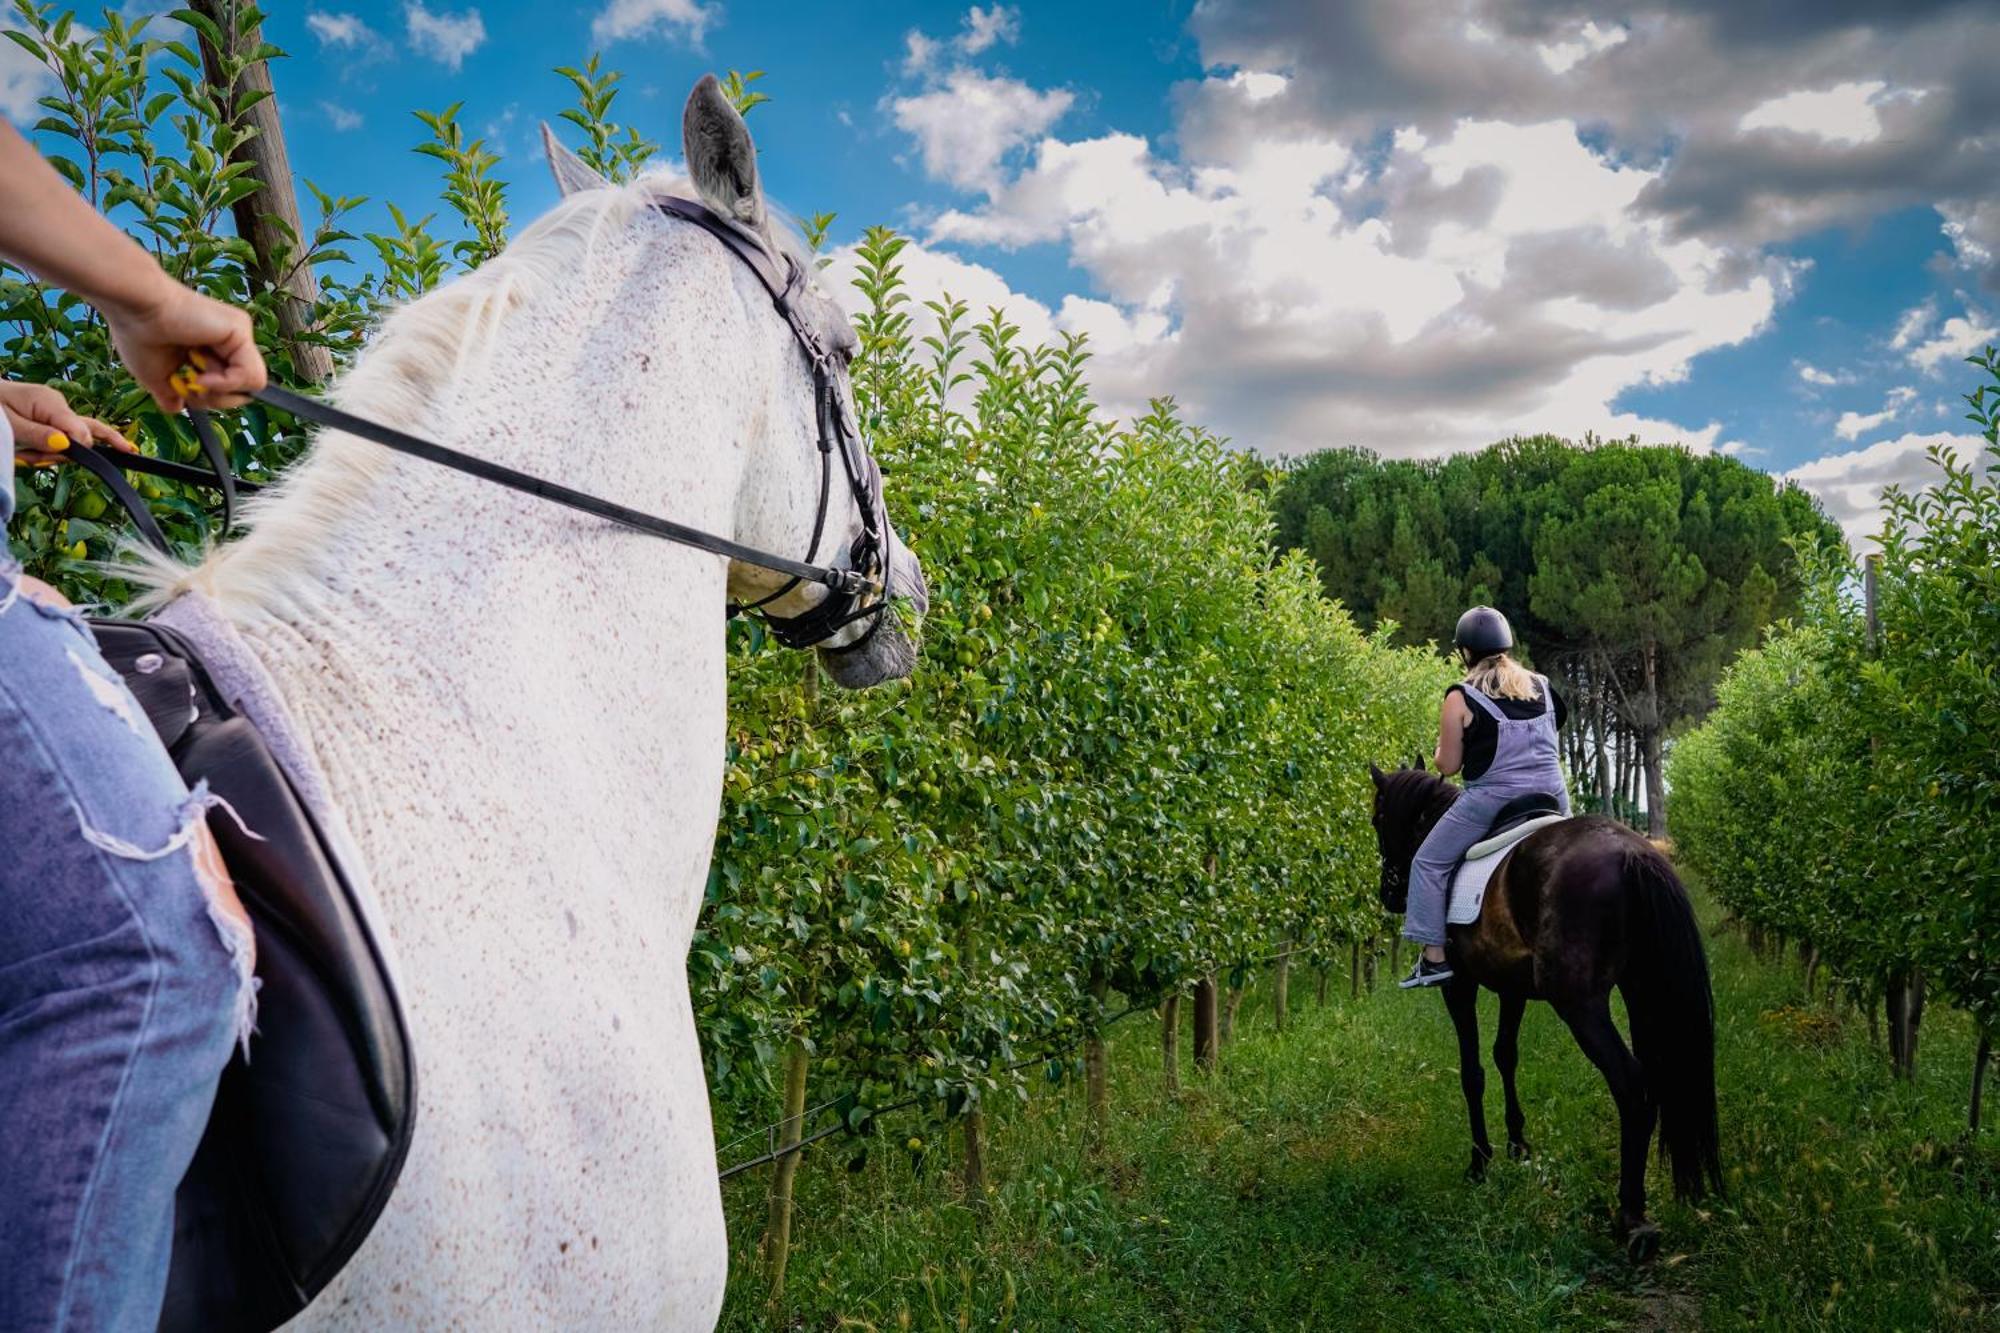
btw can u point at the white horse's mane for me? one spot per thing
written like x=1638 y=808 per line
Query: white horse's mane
x=403 y=377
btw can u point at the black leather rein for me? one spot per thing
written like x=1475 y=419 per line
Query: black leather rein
x=867 y=573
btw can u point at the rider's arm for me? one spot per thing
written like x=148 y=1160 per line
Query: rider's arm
x=49 y=229
x=1452 y=721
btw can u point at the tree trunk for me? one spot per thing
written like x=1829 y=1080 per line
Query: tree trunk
x=1395 y=954
x=1656 y=787
x=778 y=1230
x=1354 y=973
x=1905 y=1004
x=1320 y=985
x=974 y=1126
x=1206 y=1031
x=1368 y=965
x=1654 y=740
x=1096 y=1089
x=1602 y=708
x=1170 y=1043
x=1982 y=1058
x=1281 y=986
x=269 y=219
x=1230 y=1005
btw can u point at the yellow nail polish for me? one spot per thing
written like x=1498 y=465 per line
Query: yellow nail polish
x=57 y=442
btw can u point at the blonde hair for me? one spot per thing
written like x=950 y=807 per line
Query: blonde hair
x=1499 y=676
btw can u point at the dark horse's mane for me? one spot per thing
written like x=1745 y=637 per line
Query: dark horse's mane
x=1410 y=799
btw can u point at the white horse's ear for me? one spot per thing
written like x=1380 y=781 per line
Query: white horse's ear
x=572 y=173
x=721 y=158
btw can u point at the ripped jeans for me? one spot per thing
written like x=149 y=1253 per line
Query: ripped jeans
x=122 y=989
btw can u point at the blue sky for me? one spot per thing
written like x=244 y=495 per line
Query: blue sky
x=1414 y=225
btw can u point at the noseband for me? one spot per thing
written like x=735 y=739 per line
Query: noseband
x=867 y=566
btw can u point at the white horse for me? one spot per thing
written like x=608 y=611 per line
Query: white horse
x=512 y=715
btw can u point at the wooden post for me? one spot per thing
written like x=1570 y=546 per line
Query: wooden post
x=1281 y=985
x=1206 y=1029
x=778 y=1231
x=1230 y=1004
x=1170 y=1043
x=1980 y=1060
x=974 y=1125
x=269 y=219
x=1096 y=1089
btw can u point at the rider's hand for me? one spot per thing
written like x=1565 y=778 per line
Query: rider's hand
x=175 y=327
x=44 y=426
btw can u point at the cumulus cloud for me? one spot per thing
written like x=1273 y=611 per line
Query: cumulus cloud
x=340 y=117
x=1419 y=225
x=1853 y=425
x=1850 y=485
x=970 y=122
x=624 y=19
x=22 y=80
x=1439 y=295
x=445 y=37
x=979 y=31
x=1853 y=110
x=1957 y=338
x=340 y=30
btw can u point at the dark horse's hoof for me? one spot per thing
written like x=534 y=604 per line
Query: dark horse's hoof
x=1476 y=1170
x=1520 y=1150
x=1642 y=1242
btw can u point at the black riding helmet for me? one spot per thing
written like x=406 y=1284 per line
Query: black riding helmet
x=1482 y=632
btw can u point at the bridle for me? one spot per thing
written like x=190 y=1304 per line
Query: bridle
x=867 y=568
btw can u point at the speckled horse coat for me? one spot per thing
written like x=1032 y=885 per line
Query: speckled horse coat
x=516 y=713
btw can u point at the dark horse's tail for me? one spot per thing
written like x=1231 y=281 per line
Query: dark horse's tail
x=1672 y=1013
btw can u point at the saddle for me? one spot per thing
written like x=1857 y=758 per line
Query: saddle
x=308 y=1135
x=1512 y=823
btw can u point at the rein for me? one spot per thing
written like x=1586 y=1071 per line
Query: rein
x=868 y=567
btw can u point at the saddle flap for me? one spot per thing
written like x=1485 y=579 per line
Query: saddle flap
x=308 y=1135
x=1482 y=859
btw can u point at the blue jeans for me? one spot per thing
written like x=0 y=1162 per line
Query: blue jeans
x=1464 y=824
x=120 y=994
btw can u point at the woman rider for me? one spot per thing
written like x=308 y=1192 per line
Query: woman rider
x=1499 y=725
x=120 y=995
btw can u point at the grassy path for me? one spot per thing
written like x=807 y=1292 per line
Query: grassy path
x=1315 y=1184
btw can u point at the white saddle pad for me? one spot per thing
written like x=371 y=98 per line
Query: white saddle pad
x=1468 y=887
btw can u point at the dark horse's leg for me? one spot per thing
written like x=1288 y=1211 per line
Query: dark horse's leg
x=1590 y=1020
x=1507 y=1055
x=1461 y=998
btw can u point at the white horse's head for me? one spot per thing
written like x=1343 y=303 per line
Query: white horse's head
x=786 y=489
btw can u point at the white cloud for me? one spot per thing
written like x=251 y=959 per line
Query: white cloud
x=1957 y=338
x=1586 y=41
x=1844 y=113
x=22 y=80
x=340 y=117
x=340 y=29
x=1912 y=324
x=1487 y=279
x=971 y=121
x=1812 y=374
x=1850 y=485
x=985 y=27
x=1852 y=425
x=623 y=19
x=444 y=37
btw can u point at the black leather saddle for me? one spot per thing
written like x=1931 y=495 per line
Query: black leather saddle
x=1520 y=810
x=309 y=1134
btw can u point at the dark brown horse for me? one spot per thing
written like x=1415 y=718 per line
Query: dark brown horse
x=1575 y=909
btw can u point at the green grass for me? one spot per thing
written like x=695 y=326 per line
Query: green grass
x=1315 y=1183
